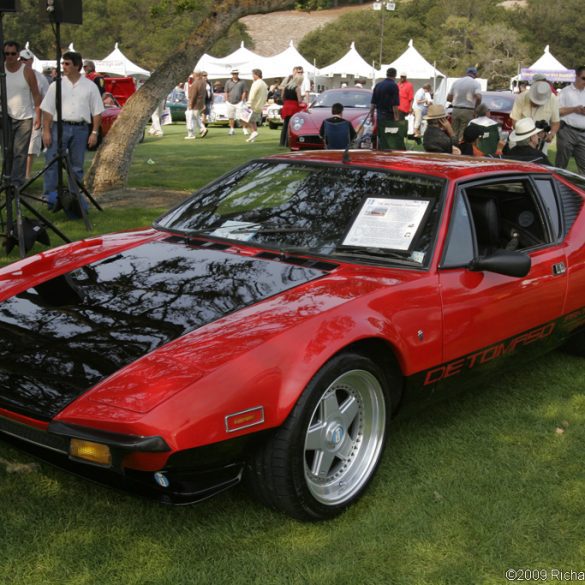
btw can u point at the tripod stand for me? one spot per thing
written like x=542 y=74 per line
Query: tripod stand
x=69 y=197
x=22 y=230
x=18 y=230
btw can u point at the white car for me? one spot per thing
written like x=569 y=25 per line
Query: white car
x=218 y=113
x=272 y=114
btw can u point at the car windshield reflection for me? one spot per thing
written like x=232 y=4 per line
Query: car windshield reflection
x=331 y=211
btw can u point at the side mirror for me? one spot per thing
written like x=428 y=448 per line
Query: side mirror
x=507 y=262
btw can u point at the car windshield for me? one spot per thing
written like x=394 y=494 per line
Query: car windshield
x=177 y=95
x=336 y=211
x=502 y=102
x=348 y=98
x=218 y=98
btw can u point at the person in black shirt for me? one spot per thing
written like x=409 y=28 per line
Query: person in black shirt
x=385 y=102
x=527 y=138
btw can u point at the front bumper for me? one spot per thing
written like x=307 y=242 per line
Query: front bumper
x=306 y=142
x=188 y=477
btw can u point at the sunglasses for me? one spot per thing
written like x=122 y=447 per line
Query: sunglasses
x=7 y=53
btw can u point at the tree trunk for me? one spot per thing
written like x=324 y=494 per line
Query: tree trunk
x=111 y=163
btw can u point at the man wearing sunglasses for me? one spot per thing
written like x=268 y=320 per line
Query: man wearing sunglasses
x=81 y=107
x=571 y=135
x=23 y=100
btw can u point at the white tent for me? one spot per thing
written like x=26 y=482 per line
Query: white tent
x=117 y=63
x=351 y=64
x=282 y=64
x=414 y=65
x=220 y=68
x=549 y=66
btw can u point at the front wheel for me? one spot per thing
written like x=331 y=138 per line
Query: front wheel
x=323 y=457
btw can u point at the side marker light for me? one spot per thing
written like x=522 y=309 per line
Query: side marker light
x=90 y=451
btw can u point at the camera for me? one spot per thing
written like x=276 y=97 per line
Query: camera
x=543 y=125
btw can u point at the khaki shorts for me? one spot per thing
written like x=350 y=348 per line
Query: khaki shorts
x=36 y=142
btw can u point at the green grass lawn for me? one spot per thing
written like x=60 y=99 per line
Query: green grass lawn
x=493 y=480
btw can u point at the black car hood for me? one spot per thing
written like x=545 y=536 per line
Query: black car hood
x=65 y=336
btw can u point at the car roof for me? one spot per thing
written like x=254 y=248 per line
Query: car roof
x=440 y=165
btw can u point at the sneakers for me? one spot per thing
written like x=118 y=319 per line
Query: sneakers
x=245 y=131
x=231 y=132
x=252 y=137
x=189 y=137
x=204 y=132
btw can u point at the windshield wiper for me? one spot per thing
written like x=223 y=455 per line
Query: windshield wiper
x=260 y=228
x=377 y=252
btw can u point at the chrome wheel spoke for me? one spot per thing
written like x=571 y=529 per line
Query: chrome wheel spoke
x=330 y=408
x=349 y=410
x=346 y=448
x=322 y=463
x=315 y=439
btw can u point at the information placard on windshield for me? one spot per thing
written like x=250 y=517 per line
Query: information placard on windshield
x=389 y=223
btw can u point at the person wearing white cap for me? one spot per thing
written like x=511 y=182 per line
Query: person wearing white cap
x=23 y=101
x=571 y=135
x=36 y=142
x=541 y=105
x=527 y=137
x=235 y=94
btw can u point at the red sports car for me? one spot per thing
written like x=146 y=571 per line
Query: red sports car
x=303 y=129
x=271 y=326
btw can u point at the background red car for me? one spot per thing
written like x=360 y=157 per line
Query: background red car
x=303 y=129
x=121 y=88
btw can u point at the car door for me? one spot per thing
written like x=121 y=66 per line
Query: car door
x=490 y=318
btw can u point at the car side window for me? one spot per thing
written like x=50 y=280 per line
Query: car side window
x=506 y=216
x=547 y=193
x=460 y=243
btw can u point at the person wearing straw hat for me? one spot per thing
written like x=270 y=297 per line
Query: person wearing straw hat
x=527 y=137
x=540 y=104
x=439 y=135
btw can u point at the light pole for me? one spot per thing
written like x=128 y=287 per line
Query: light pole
x=383 y=7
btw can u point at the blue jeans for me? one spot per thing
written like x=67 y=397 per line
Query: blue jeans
x=74 y=145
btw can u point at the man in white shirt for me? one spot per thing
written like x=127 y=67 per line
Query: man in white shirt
x=465 y=96
x=23 y=101
x=571 y=135
x=81 y=106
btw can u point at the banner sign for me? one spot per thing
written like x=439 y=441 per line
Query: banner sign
x=567 y=76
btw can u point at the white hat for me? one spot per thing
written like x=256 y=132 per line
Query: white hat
x=539 y=92
x=524 y=129
x=26 y=54
x=403 y=74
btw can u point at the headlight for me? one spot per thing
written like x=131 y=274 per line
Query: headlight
x=297 y=123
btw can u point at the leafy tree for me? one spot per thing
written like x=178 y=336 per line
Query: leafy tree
x=559 y=24
x=110 y=166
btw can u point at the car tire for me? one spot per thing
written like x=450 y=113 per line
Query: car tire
x=323 y=457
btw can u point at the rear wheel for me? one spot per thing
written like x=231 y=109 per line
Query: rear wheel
x=323 y=457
